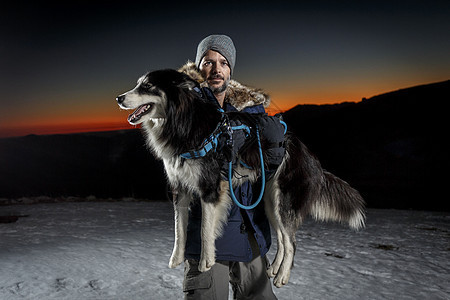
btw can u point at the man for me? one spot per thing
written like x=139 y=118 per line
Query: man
x=241 y=250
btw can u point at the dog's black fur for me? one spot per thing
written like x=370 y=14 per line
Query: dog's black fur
x=298 y=187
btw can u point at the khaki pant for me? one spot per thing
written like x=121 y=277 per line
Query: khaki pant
x=248 y=280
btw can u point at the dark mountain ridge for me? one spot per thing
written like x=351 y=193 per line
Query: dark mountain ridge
x=390 y=147
x=112 y=164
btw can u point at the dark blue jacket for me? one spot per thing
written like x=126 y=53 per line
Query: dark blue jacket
x=233 y=245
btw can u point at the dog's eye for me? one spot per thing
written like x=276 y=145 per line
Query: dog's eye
x=146 y=85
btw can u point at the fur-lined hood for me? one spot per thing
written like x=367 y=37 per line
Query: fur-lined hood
x=238 y=95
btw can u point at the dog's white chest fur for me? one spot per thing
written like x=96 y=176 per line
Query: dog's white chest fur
x=178 y=170
x=185 y=172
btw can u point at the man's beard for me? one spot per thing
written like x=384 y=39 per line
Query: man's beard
x=222 y=88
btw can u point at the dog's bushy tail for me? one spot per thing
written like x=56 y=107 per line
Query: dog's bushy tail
x=338 y=201
x=310 y=190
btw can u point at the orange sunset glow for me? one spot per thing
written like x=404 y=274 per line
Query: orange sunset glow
x=105 y=115
x=62 y=65
x=89 y=121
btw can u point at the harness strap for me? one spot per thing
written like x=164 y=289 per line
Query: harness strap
x=211 y=142
x=201 y=152
x=242 y=127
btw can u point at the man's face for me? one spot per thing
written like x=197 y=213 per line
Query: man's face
x=215 y=68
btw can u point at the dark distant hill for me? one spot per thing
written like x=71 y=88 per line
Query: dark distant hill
x=390 y=147
x=106 y=164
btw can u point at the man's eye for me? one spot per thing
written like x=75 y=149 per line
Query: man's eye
x=206 y=63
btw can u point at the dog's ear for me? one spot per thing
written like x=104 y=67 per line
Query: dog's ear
x=187 y=84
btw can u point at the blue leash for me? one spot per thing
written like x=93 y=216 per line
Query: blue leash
x=263 y=179
x=285 y=126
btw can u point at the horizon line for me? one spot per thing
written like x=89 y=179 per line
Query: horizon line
x=84 y=127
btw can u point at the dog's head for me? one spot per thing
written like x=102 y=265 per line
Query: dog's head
x=150 y=97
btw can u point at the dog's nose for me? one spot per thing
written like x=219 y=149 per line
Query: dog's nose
x=120 y=99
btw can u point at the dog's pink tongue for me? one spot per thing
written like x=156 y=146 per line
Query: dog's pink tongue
x=137 y=114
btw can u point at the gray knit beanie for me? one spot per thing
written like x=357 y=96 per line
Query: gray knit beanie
x=220 y=43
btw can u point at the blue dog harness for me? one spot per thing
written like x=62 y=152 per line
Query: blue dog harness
x=212 y=141
x=224 y=131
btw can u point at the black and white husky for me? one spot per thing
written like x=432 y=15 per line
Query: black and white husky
x=176 y=120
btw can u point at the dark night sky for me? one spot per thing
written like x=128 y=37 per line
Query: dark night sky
x=62 y=65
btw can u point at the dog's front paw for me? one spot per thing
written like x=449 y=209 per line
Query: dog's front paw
x=273 y=269
x=205 y=265
x=271 y=272
x=175 y=261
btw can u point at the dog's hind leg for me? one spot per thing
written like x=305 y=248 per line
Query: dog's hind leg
x=214 y=217
x=271 y=201
x=288 y=242
x=181 y=209
x=285 y=224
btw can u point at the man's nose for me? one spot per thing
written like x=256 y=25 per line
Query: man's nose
x=216 y=69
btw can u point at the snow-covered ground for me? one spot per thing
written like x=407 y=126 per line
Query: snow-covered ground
x=120 y=250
